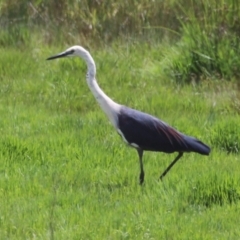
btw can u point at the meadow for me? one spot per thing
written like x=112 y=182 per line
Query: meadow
x=66 y=174
x=64 y=171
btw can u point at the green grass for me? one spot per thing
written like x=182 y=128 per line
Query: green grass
x=66 y=174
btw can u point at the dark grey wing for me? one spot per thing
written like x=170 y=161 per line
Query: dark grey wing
x=152 y=134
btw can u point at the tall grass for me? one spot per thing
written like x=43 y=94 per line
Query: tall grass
x=83 y=20
x=209 y=47
x=205 y=33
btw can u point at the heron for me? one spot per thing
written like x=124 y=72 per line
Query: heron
x=139 y=130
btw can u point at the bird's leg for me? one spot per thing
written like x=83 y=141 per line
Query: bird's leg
x=170 y=166
x=141 y=176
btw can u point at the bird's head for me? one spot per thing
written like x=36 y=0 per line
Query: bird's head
x=70 y=52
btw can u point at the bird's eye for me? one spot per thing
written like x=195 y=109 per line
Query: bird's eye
x=72 y=51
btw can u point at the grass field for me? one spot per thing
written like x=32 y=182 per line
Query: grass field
x=66 y=174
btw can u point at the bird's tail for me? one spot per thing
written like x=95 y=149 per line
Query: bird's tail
x=196 y=145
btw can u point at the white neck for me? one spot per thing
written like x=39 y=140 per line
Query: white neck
x=107 y=104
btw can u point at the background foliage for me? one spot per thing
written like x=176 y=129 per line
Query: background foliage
x=206 y=32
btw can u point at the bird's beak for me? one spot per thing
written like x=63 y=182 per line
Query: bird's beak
x=63 y=54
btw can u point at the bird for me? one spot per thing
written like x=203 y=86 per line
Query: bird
x=139 y=130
